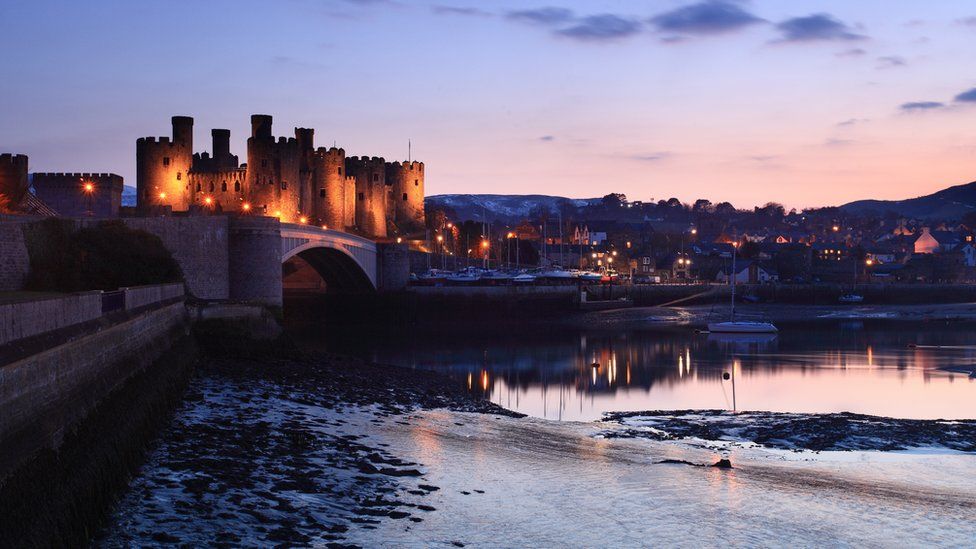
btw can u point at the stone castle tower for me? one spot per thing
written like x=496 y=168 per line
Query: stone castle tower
x=163 y=167
x=13 y=178
x=406 y=194
x=284 y=177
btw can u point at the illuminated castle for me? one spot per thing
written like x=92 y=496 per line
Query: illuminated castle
x=285 y=177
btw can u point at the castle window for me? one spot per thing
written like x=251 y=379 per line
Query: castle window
x=198 y=187
x=179 y=176
x=416 y=182
x=404 y=197
x=340 y=170
x=362 y=196
x=165 y=161
x=284 y=184
x=376 y=177
x=223 y=187
x=321 y=193
x=237 y=186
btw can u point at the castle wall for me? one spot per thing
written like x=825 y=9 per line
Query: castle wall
x=66 y=194
x=225 y=189
x=407 y=205
x=13 y=177
x=349 y=201
x=370 y=174
x=163 y=166
x=273 y=172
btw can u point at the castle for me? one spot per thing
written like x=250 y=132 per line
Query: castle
x=287 y=178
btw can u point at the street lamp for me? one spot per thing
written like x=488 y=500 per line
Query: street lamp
x=610 y=274
x=246 y=207
x=89 y=189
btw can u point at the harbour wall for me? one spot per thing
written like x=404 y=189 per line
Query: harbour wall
x=85 y=381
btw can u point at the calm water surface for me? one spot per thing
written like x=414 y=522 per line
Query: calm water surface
x=856 y=366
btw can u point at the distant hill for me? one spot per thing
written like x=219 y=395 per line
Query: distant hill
x=501 y=207
x=951 y=203
x=128 y=196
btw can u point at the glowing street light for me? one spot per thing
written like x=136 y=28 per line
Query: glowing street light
x=399 y=239
x=246 y=206
x=89 y=188
x=208 y=201
x=162 y=196
x=835 y=228
x=440 y=238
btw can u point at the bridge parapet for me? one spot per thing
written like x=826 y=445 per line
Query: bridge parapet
x=296 y=239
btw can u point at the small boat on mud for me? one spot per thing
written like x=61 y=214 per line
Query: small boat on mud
x=742 y=327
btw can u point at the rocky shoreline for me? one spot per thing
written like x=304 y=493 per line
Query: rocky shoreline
x=277 y=451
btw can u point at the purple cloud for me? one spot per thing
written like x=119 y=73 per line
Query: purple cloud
x=601 y=28
x=709 y=17
x=816 y=28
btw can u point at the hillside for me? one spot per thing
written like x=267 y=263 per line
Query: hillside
x=951 y=203
x=501 y=207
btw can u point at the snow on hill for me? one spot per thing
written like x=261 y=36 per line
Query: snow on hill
x=502 y=207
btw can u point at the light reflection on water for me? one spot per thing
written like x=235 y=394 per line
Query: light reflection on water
x=805 y=368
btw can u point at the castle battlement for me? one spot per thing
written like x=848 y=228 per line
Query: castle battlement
x=13 y=159
x=163 y=140
x=78 y=176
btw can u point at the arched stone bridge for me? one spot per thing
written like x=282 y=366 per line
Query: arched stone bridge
x=346 y=261
x=240 y=258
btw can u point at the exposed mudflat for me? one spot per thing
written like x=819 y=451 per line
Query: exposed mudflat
x=700 y=315
x=843 y=431
x=278 y=452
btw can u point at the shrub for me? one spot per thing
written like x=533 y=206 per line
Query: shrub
x=106 y=256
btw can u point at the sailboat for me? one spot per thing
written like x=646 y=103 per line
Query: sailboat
x=853 y=296
x=734 y=326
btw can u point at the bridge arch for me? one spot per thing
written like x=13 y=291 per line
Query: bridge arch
x=346 y=262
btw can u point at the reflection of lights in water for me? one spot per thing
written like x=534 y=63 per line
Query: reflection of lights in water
x=594 y=374
x=688 y=360
x=681 y=366
x=484 y=380
x=870 y=356
x=469 y=380
x=628 y=372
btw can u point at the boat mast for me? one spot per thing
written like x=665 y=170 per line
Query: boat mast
x=732 y=280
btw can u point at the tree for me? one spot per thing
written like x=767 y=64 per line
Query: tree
x=724 y=209
x=702 y=206
x=614 y=200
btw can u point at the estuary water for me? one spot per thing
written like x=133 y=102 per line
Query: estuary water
x=902 y=369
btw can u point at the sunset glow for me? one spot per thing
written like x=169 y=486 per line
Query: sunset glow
x=871 y=105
